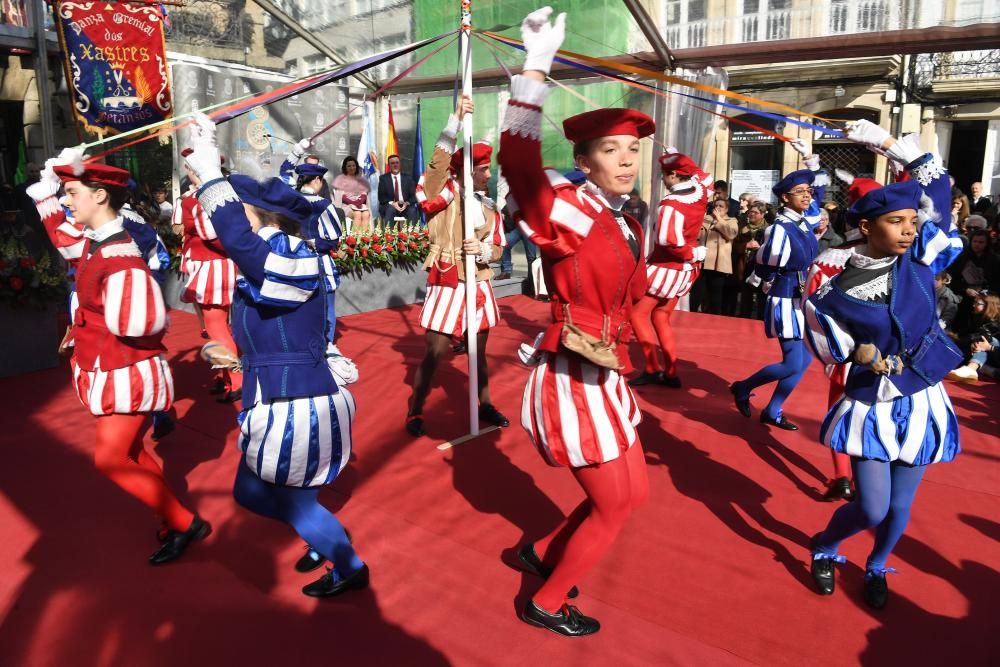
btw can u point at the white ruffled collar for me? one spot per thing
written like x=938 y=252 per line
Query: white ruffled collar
x=614 y=202
x=861 y=260
x=105 y=231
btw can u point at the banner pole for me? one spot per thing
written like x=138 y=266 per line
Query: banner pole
x=468 y=203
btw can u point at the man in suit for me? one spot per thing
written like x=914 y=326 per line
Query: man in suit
x=722 y=192
x=397 y=195
x=978 y=203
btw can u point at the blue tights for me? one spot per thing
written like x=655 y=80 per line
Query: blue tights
x=299 y=508
x=885 y=494
x=795 y=360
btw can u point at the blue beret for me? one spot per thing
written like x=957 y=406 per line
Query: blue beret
x=311 y=170
x=575 y=176
x=796 y=178
x=271 y=195
x=893 y=197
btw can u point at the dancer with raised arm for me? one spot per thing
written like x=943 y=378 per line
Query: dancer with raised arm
x=782 y=261
x=119 y=371
x=577 y=408
x=880 y=314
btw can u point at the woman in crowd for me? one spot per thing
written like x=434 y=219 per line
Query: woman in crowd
x=959 y=211
x=880 y=314
x=717 y=233
x=295 y=428
x=119 y=371
x=350 y=191
x=745 y=247
x=980 y=340
x=577 y=409
x=789 y=248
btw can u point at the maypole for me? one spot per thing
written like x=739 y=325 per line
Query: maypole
x=469 y=202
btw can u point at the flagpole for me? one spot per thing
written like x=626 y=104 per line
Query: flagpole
x=469 y=202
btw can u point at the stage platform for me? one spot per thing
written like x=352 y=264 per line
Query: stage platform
x=713 y=571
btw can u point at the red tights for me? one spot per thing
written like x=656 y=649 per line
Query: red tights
x=217 y=326
x=613 y=490
x=120 y=456
x=651 y=323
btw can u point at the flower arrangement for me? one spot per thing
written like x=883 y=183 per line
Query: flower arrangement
x=25 y=280
x=382 y=248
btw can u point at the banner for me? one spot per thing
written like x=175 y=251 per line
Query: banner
x=116 y=64
x=255 y=143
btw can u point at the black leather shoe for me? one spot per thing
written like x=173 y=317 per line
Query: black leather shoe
x=671 y=381
x=532 y=564
x=309 y=561
x=218 y=387
x=569 y=622
x=163 y=428
x=780 y=422
x=327 y=586
x=490 y=414
x=643 y=379
x=230 y=396
x=415 y=425
x=742 y=404
x=839 y=489
x=821 y=570
x=177 y=541
x=876 y=592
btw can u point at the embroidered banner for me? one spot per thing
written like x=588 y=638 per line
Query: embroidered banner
x=116 y=64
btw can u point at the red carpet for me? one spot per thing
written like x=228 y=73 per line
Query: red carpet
x=712 y=571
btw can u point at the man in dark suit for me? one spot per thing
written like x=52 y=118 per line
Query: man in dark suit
x=397 y=195
x=978 y=203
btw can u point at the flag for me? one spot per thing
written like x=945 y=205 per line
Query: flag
x=391 y=145
x=21 y=172
x=418 y=155
x=367 y=158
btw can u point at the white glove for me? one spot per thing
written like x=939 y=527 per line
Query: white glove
x=344 y=370
x=300 y=149
x=670 y=150
x=47 y=186
x=698 y=254
x=801 y=146
x=867 y=132
x=844 y=175
x=812 y=162
x=204 y=160
x=906 y=150
x=542 y=39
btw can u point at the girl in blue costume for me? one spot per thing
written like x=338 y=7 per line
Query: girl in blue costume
x=783 y=259
x=880 y=313
x=295 y=428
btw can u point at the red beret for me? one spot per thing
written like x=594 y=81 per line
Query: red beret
x=859 y=187
x=679 y=164
x=95 y=172
x=608 y=123
x=481 y=154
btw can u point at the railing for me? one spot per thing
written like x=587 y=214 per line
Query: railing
x=13 y=13
x=687 y=35
x=209 y=23
x=930 y=67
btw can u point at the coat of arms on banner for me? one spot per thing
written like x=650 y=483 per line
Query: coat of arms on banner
x=116 y=64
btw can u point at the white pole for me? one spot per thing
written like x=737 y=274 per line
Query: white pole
x=469 y=204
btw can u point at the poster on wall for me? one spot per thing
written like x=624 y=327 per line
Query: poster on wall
x=256 y=142
x=116 y=64
x=755 y=181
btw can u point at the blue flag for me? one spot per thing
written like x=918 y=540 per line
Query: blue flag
x=418 y=157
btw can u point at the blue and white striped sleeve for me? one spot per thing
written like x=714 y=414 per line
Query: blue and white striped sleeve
x=776 y=249
x=830 y=340
x=820 y=183
x=286 y=172
x=279 y=270
x=328 y=226
x=937 y=244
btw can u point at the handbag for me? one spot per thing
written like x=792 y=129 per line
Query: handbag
x=599 y=351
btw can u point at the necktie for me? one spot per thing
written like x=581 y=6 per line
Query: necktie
x=395 y=183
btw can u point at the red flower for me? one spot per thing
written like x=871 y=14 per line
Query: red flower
x=364 y=252
x=388 y=238
x=401 y=247
x=350 y=252
x=377 y=247
x=413 y=246
x=16 y=283
x=366 y=239
x=26 y=262
x=404 y=235
x=351 y=241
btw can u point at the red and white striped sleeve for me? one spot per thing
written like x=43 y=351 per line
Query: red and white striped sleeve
x=133 y=303
x=669 y=226
x=65 y=234
x=202 y=223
